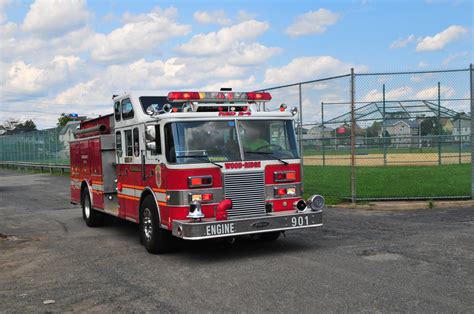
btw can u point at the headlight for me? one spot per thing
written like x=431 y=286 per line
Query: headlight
x=315 y=202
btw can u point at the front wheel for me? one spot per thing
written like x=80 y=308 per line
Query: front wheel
x=155 y=239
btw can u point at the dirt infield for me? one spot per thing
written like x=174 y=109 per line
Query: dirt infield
x=407 y=159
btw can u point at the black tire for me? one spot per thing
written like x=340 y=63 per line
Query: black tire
x=155 y=239
x=270 y=236
x=92 y=217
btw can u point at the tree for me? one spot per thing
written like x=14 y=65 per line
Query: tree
x=14 y=126
x=431 y=126
x=64 y=119
x=386 y=138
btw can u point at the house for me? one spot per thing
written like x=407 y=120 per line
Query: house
x=462 y=129
x=401 y=131
x=67 y=134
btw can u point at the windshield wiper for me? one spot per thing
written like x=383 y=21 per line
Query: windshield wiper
x=267 y=154
x=204 y=158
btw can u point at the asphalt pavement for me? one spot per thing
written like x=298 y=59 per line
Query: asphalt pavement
x=360 y=261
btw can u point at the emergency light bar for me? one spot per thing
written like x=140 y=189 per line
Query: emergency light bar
x=222 y=96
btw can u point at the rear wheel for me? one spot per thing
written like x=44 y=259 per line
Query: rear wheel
x=92 y=217
x=155 y=239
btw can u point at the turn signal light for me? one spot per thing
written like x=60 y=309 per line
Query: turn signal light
x=195 y=182
x=279 y=192
x=201 y=197
x=285 y=176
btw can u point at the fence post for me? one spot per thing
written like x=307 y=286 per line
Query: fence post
x=353 y=139
x=471 y=69
x=383 y=128
x=439 y=123
x=459 y=139
x=300 y=129
x=322 y=133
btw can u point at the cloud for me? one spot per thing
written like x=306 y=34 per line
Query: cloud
x=402 y=42
x=24 y=79
x=142 y=34
x=55 y=17
x=312 y=22
x=215 y=43
x=394 y=94
x=432 y=92
x=307 y=68
x=423 y=64
x=454 y=56
x=440 y=40
x=211 y=17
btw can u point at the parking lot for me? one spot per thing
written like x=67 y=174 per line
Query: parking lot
x=418 y=261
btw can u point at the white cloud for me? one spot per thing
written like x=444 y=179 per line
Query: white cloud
x=215 y=43
x=236 y=85
x=24 y=79
x=394 y=94
x=454 y=56
x=423 y=64
x=55 y=17
x=250 y=54
x=402 y=42
x=440 y=40
x=432 y=92
x=312 y=22
x=141 y=34
x=211 y=17
x=307 y=68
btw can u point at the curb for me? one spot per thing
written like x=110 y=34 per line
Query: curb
x=407 y=205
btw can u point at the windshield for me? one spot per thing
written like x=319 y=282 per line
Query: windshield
x=216 y=141
x=191 y=142
x=264 y=139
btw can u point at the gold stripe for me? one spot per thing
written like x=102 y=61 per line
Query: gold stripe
x=133 y=186
x=133 y=198
x=161 y=203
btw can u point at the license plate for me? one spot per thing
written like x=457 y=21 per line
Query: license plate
x=220 y=229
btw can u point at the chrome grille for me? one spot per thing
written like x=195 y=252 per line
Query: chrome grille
x=247 y=192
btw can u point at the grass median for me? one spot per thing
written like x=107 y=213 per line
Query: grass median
x=334 y=182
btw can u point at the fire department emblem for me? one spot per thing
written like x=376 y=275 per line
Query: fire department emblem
x=158 y=175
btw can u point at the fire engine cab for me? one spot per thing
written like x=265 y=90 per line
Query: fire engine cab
x=192 y=165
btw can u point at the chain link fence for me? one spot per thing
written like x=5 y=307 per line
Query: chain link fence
x=385 y=136
x=48 y=147
x=363 y=136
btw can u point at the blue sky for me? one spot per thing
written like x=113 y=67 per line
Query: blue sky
x=71 y=55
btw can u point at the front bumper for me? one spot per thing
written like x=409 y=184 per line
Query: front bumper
x=278 y=221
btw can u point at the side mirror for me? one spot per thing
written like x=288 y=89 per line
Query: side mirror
x=150 y=132
x=151 y=146
x=294 y=111
x=119 y=152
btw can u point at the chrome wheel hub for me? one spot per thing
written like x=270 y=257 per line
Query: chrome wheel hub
x=147 y=225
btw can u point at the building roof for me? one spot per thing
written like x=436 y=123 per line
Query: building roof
x=392 y=122
x=396 y=109
x=71 y=125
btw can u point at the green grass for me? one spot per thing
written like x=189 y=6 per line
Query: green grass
x=334 y=182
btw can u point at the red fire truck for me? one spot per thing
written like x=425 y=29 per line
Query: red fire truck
x=192 y=165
